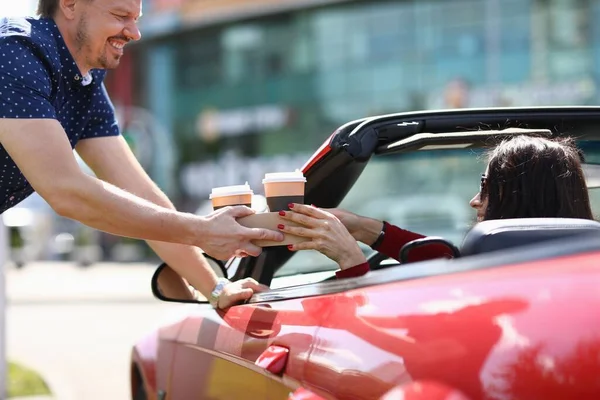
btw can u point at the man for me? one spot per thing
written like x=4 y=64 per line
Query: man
x=52 y=100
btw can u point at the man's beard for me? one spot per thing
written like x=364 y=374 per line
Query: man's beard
x=82 y=41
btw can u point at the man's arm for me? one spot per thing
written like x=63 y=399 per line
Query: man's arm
x=42 y=152
x=112 y=161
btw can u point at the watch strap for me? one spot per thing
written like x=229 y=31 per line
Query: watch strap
x=381 y=237
x=216 y=292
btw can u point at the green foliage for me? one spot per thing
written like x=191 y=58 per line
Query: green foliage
x=25 y=382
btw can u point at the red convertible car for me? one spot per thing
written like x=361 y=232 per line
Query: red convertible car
x=515 y=315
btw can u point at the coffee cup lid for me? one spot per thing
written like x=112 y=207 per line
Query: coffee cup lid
x=296 y=176
x=230 y=191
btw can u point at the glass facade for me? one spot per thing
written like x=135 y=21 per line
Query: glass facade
x=279 y=84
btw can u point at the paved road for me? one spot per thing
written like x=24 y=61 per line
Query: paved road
x=76 y=327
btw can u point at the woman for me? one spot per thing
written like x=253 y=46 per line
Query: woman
x=526 y=177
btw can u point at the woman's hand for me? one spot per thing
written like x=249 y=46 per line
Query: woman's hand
x=327 y=233
x=350 y=220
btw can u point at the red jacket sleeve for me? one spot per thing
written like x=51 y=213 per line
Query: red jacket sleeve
x=353 y=272
x=393 y=241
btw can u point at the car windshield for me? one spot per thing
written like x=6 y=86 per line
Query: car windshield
x=426 y=192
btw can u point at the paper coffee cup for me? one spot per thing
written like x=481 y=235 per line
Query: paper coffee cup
x=236 y=195
x=283 y=188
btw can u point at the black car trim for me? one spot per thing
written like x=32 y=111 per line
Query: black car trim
x=581 y=244
x=438 y=121
x=470 y=138
x=456 y=118
x=557 y=119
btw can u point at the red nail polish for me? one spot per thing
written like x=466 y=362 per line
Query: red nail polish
x=280 y=226
x=291 y=205
x=291 y=246
x=282 y=213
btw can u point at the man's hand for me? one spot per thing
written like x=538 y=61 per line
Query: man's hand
x=218 y=233
x=236 y=292
x=224 y=237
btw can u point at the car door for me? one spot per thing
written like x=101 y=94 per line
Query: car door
x=253 y=351
x=343 y=363
x=408 y=327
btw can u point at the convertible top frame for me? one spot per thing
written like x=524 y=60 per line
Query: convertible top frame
x=337 y=165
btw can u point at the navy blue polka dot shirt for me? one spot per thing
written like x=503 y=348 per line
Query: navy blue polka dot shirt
x=39 y=79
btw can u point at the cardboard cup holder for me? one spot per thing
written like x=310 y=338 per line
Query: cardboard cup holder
x=270 y=221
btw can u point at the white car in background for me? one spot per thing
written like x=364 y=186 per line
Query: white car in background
x=36 y=232
x=30 y=226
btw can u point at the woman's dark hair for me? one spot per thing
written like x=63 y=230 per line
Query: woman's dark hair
x=47 y=8
x=535 y=177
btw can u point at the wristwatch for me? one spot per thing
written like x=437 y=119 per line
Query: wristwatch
x=216 y=292
x=380 y=238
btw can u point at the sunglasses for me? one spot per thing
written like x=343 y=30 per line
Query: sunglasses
x=483 y=182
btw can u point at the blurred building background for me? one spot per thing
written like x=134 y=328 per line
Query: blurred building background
x=240 y=87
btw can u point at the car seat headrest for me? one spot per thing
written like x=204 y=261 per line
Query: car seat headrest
x=501 y=234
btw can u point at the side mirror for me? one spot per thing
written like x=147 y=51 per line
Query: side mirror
x=168 y=285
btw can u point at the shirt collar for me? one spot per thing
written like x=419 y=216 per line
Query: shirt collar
x=69 y=69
